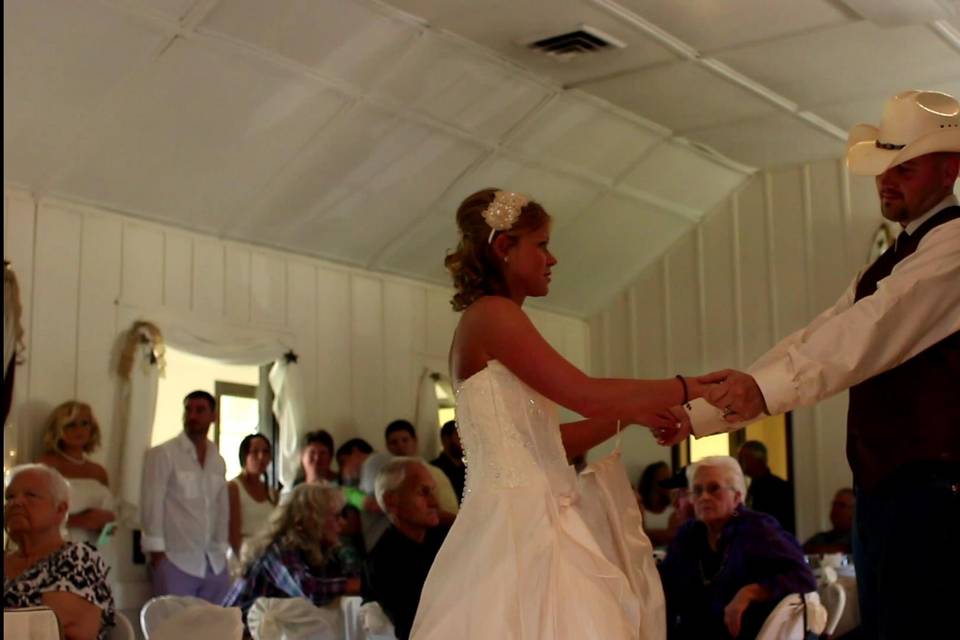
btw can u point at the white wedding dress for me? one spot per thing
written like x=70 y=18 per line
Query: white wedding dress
x=537 y=553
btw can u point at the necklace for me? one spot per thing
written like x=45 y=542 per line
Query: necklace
x=81 y=460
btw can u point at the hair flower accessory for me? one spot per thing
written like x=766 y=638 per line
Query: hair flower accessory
x=502 y=213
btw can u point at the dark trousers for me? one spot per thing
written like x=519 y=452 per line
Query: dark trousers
x=906 y=547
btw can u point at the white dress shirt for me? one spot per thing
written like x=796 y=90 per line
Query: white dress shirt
x=913 y=308
x=185 y=506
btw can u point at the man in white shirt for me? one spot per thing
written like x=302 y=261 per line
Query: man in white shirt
x=186 y=508
x=893 y=339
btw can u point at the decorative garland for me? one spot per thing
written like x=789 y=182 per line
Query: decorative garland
x=140 y=334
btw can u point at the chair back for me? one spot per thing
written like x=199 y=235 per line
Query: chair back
x=33 y=623
x=834 y=598
x=121 y=629
x=293 y=619
x=794 y=617
x=158 y=609
x=365 y=621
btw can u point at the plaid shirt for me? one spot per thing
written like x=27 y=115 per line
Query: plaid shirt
x=284 y=573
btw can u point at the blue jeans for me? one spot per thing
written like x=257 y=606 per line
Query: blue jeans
x=906 y=547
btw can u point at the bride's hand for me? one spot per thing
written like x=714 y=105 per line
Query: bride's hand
x=677 y=431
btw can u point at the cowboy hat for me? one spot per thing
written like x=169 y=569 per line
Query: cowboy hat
x=914 y=123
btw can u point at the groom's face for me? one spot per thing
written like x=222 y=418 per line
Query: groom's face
x=911 y=188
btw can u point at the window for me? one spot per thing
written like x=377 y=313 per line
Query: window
x=772 y=431
x=238 y=417
x=445 y=400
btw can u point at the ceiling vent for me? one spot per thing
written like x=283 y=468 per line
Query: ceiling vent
x=573 y=44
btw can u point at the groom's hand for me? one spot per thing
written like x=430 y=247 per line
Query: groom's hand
x=736 y=393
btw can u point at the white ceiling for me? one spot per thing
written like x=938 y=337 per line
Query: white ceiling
x=350 y=130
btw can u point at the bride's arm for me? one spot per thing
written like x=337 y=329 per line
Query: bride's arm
x=583 y=435
x=506 y=334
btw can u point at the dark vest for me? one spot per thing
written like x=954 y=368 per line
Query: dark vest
x=910 y=413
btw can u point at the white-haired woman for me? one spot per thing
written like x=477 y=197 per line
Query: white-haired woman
x=43 y=569
x=726 y=570
x=298 y=554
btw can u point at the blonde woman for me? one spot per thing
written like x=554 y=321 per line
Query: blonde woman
x=71 y=433
x=298 y=554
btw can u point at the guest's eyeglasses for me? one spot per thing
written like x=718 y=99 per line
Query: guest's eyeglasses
x=713 y=488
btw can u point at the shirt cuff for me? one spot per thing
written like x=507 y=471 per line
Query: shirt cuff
x=777 y=384
x=152 y=543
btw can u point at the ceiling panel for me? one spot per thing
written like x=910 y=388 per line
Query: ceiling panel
x=347 y=40
x=170 y=9
x=680 y=96
x=359 y=185
x=721 y=24
x=563 y=196
x=774 y=141
x=848 y=113
x=680 y=175
x=53 y=79
x=463 y=87
x=586 y=135
x=862 y=60
x=507 y=26
x=197 y=134
x=604 y=249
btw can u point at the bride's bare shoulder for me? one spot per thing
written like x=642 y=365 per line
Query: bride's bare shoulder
x=490 y=308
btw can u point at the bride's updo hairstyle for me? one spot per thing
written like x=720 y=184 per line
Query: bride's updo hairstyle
x=474 y=265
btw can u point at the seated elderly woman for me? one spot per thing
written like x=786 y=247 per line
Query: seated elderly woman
x=43 y=569
x=726 y=570
x=298 y=554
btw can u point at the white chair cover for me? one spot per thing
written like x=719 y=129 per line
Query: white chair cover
x=201 y=623
x=834 y=598
x=785 y=622
x=122 y=629
x=365 y=621
x=293 y=619
x=158 y=609
x=31 y=623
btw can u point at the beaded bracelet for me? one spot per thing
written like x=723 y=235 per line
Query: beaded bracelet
x=686 y=396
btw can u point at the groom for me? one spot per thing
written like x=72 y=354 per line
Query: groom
x=894 y=340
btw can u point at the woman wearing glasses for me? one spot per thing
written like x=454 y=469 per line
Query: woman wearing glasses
x=726 y=570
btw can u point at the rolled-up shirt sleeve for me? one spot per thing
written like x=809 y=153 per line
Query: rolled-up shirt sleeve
x=156 y=475
x=913 y=308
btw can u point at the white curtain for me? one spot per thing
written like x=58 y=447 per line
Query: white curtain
x=427 y=416
x=238 y=346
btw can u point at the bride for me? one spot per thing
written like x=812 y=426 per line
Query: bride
x=536 y=552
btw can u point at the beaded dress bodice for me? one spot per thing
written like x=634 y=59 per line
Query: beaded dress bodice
x=510 y=434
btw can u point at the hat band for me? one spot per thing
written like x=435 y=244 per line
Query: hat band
x=889 y=145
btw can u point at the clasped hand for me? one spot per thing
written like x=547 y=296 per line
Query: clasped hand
x=734 y=392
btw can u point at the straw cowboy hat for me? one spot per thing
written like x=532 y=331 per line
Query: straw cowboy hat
x=914 y=123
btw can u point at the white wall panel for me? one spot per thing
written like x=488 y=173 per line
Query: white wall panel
x=143 y=254
x=404 y=339
x=53 y=346
x=208 y=277
x=334 y=397
x=771 y=256
x=719 y=290
x=100 y=269
x=366 y=351
x=789 y=260
x=178 y=272
x=756 y=310
x=236 y=281
x=684 y=305
x=441 y=323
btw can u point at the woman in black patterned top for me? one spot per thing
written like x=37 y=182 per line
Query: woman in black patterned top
x=43 y=570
